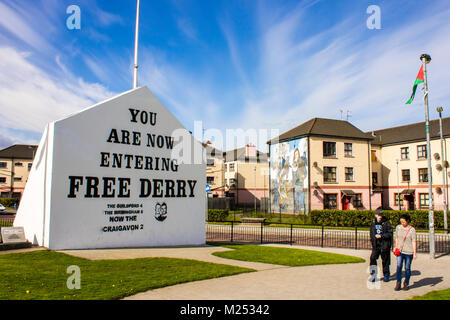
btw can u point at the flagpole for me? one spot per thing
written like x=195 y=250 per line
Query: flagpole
x=425 y=58
x=136 y=38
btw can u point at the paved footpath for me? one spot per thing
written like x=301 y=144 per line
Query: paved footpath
x=203 y=253
x=344 y=281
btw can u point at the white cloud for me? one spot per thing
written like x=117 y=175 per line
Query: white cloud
x=30 y=97
x=106 y=19
x=345 y=67
x=189 y=95
x=187 y=28
x=15 y=23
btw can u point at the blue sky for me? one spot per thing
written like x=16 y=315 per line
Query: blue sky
x=230 y=64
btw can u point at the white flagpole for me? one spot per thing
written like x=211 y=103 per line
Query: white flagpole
x=136 y=38
x=425 y=58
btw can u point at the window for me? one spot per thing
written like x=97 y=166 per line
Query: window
x=374 y=177
x=232 y=182
x=423 y=175
x=330 y=201
x=231 y=167
x=348 y=174
x=3 y=165
x=18 y=179
x=210 y=162
x=29 y=166
x=424 y=200
x=210 y=180
x=348 y=149
x=329 y=174
x=406 y=177
x=329 y=149
x=398 y=196
x=404 y=153
x=18 y=164
x=357 y=200
x=2 y=180
x=422 y=151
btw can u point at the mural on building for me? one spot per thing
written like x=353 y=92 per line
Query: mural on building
x=289 y=176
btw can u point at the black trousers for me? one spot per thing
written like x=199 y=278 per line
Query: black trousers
x=385 y=259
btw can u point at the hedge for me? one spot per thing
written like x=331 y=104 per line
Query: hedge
x=351 y=218
x=9 y=202
x=217 y=214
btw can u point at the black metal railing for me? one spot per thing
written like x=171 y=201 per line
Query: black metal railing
x=6 y=221
x=310 y=235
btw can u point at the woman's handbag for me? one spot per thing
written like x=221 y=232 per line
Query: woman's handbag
x=397 y=251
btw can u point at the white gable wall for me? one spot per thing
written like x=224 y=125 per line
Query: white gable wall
x=74 y=149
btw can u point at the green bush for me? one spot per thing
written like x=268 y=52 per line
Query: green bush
x=351 y=218
x=217 y=214
x=9 y=202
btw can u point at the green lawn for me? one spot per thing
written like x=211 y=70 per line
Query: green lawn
x=42 y=275
x=435 y=295
x=283 y=256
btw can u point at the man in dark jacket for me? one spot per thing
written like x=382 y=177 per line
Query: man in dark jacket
x=381 y=235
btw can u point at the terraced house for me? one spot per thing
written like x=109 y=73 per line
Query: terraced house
x=322 y=164
x=15 y=166
x=240 y=173
x=331 y=164
x=403 y=173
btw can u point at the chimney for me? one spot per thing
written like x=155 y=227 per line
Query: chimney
x=250 y=150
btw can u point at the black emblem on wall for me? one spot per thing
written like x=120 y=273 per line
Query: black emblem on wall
x=161 y=211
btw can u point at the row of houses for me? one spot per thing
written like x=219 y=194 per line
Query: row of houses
x=320 y=164
x=241 y=173
x=331 y=164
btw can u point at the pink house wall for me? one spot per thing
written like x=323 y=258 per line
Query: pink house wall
x=247 y=196
x=389 y=200
x=369 y=202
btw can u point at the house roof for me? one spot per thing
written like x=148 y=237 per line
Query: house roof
x=410 y=132
x=323 y=127
x=212 y=151
x=19 y=151
x=240 y=154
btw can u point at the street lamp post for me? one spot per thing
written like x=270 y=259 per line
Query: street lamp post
x=255 y=191
x=444 y=175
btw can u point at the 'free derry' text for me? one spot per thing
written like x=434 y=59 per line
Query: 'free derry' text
x=123 y=187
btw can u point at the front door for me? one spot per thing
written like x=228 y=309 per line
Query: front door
x=410 y=200
x=345 y=202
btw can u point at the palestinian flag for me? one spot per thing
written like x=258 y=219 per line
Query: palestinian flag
x=419 y=79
